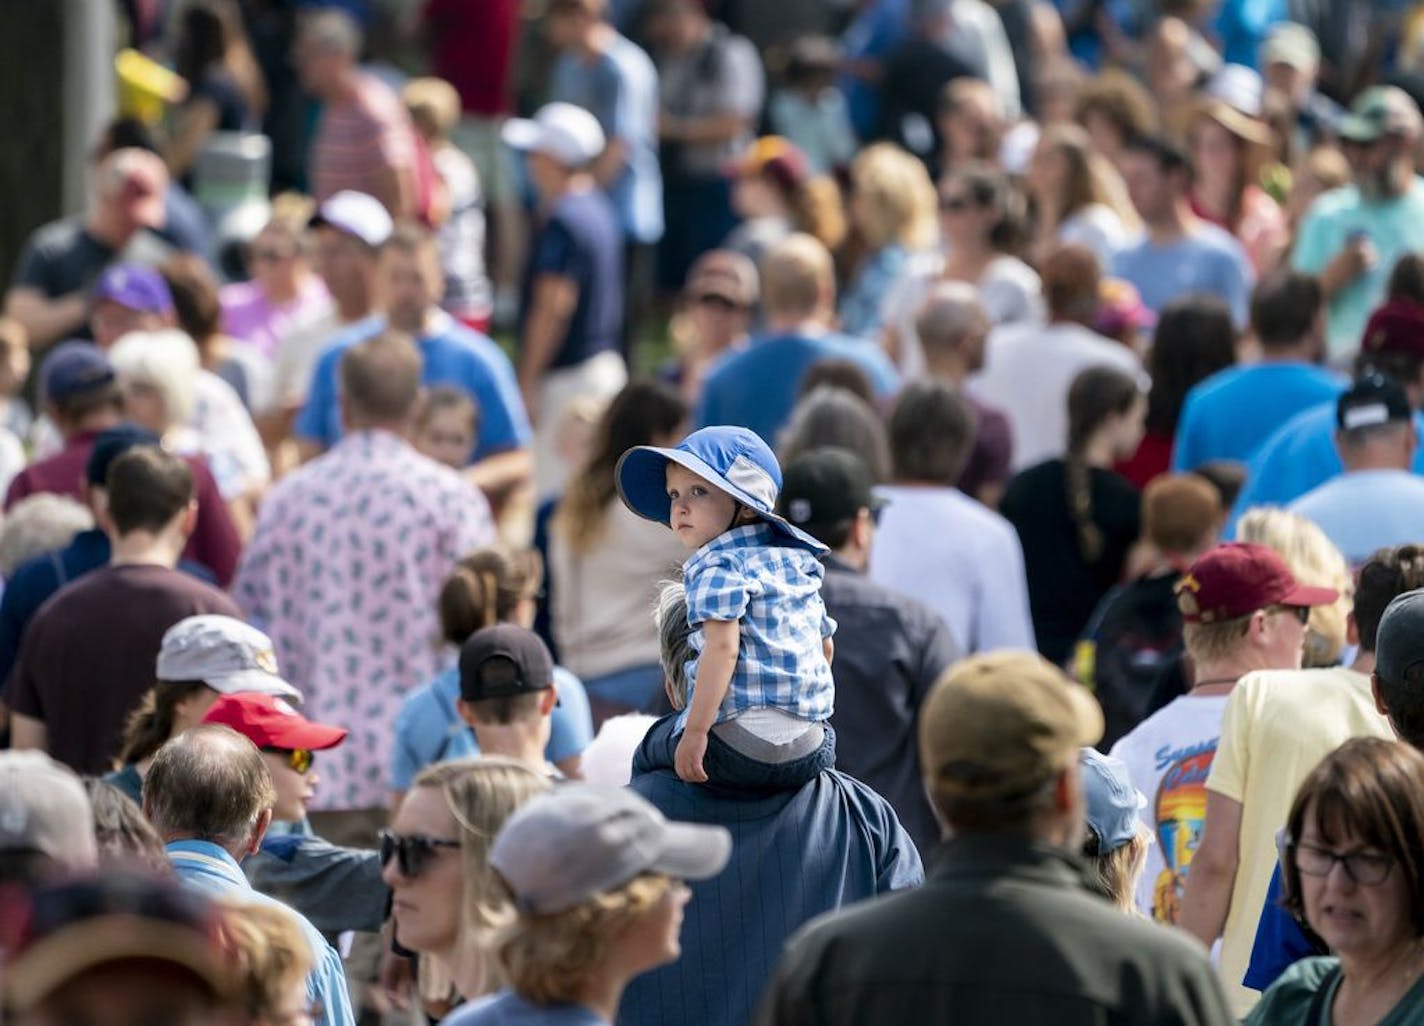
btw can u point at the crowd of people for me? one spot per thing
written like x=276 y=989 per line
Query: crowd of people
x=694 y=511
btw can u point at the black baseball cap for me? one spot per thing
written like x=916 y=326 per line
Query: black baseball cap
x=503 y=661
x=1373 y=400
x=825 y=487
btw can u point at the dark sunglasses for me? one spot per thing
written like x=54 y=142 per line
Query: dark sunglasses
x=299 y=759
x=413 y=852
x=1301 y=613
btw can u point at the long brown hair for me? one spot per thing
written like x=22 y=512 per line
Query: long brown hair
x=641 y=413
x=1090 y=179
x=151 y=725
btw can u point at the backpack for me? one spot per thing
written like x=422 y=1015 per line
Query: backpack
x=1133 y=633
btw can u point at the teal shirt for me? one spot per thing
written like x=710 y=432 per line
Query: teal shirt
x=1288 y=1001
x=1395 y=227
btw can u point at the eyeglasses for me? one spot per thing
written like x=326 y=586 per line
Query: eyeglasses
x=298 y=759
x=271 y=256
x=413 y=852
x=952 y=204
x=1366 y=868
x=1301 y=613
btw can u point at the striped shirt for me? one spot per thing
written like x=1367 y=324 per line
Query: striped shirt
x=359 y=138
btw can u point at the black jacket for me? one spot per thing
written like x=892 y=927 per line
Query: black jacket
x=1003 y=933
x=890 y=649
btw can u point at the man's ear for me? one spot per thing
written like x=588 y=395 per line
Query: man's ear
x=1380 y=707
x=259 y=831
x=863 y=531
x=548 y=698
x=463 y=708
x=1352 y=630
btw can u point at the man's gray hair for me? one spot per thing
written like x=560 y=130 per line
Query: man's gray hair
x=674 y=639
x=208 y=784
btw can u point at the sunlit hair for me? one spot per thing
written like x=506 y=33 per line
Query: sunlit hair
x=1314 y=560
x=267 y=953
x=1117 y=872
x=547 y=958
x=895 y=201
x=481 y=793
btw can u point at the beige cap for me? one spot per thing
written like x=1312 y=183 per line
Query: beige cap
x=1001 y=724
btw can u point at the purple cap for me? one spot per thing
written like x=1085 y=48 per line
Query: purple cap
x=136 y=287
x=72 y=368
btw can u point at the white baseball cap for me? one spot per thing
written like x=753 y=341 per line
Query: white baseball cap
x=566 y=133
x=356 y=214
x=226 y=654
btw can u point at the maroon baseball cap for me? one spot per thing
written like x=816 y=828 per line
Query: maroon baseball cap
x=1237 y=578
x=1396 y=327
x=268 y=721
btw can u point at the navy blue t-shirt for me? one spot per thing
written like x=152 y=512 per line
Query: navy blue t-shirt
x=581 y=240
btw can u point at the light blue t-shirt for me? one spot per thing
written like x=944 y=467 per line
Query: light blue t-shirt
x=757 y=387
x=1367 y=510
x=1230 y=414
x=509 y=1009
x=429 y=728
x=1206 y=261
x=1300 y=456
x=620 y=88
x=206 y=867
x=1394 y=227
x=451 y=354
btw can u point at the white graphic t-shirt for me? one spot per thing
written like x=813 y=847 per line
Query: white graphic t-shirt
x=1169 y=755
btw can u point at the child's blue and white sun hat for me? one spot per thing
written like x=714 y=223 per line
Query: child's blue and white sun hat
x=735 y=460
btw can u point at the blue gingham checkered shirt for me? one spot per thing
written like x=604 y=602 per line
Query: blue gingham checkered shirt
x=774 y=590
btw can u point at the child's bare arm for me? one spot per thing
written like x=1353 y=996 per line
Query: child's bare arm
x=829 y=647
x=721 y=641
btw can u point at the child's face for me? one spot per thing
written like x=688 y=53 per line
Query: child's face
x=447 y=438
x=699 y=511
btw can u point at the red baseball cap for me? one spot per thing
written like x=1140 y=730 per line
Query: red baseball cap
x=1237 y=578
x=268 y=721
x=1396 y=327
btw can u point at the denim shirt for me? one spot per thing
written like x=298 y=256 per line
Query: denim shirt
x=206 y=867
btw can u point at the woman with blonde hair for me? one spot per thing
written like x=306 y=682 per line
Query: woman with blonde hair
x=596 y=876
x=435 y=858
x=496 y=584
x=1117 y=839
x=270 y=959
x=892 y=208
x=1078 y=196
x=1313 y=559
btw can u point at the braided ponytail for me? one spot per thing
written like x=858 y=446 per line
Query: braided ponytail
x=1096 y=394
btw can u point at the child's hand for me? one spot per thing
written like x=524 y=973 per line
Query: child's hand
x=688 y=758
